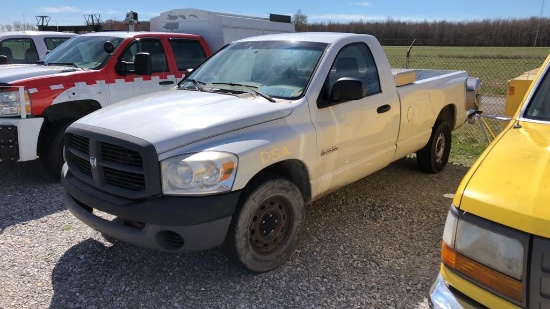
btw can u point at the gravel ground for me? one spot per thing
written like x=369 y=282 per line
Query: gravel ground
x=372 y=244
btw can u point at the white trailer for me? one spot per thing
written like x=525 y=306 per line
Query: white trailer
x=217 y=28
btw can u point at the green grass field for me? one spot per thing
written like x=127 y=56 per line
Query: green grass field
x=493 y=65
x=471 y=52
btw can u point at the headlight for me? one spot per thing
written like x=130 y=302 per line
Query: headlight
x=490 y=258
x=10 y=103
x=202 y=173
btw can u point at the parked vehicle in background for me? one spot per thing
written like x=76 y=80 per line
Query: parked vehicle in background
x=82 y=75
x=261 y=128
x=219 y=28
x=29 y=46
x=496 y=242
x=97 y=69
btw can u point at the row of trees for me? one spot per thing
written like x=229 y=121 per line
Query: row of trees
x=18 y=26
x=488 y=32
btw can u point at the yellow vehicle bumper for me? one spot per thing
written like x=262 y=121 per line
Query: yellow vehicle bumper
x=470 y=295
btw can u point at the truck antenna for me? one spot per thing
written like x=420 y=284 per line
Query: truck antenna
x=409 y=54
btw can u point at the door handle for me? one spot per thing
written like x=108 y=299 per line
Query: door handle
x=166 y=82
x=383 y=108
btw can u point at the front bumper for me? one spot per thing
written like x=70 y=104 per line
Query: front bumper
x=162 y=223
x=19 y=138
x=441 y=297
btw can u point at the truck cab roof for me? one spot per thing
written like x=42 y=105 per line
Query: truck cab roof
x=126 y=34
x=320 y=37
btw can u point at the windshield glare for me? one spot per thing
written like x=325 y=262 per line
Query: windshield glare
x=82 y=51
x=280 y=69
x=539 y=107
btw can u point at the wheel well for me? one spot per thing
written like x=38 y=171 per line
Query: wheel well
x=447 y=114
x=70 y=110
x=59 y=114
x=293 y=170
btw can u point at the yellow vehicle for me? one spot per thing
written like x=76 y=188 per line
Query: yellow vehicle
x=496 y=241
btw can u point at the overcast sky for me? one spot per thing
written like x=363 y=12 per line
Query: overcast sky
x=72 y=12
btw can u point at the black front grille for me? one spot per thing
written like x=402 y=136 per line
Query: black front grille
x=539 y=291
x=113 y=164
x=81 y=143
x=121 y=155
x=82 y=165
x=124 y=179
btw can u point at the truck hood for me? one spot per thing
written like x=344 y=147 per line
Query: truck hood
x=511 y=184
x=171 y=119
x=10 y=73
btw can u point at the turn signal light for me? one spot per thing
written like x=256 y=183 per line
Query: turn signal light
x=482 y=274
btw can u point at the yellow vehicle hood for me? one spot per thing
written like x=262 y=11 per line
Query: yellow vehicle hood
x=510 y=183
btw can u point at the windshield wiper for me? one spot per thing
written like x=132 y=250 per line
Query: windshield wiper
x=250 y=89
x=62 y=64
x=196 y=83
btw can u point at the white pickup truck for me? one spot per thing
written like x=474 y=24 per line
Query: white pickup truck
x=29 y=46
x=268 y=124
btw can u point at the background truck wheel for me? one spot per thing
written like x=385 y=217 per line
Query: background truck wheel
x=434 y=156
x=50 y=149
x=267 y=226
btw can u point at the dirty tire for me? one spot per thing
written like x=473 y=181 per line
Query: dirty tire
x=434 y=156
x=51 y=148
x=267 y=226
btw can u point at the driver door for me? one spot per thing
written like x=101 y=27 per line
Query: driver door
x=131 y=84
x=357 y=137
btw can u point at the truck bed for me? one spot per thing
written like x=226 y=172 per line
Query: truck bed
x=404 y=77
x=423 y=99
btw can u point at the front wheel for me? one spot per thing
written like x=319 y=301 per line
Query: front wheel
x=434 y=156
x=266 y=228
x=51 y=148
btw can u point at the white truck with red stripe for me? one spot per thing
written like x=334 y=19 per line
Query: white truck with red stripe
x=84 y=74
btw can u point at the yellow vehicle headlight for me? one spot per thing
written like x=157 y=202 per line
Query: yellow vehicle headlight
x=490 y=258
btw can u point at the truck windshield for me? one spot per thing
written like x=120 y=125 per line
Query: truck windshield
x=539 y=107
x=279 y=69
x=81 y=51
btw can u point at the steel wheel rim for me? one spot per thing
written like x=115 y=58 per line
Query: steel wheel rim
x=439 y=147
x=269 y=225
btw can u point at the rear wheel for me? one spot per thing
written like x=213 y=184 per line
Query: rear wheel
x=50 y=149
x=266 y=229
x=434 y=156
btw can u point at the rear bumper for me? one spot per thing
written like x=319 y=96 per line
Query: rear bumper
x=19 y=138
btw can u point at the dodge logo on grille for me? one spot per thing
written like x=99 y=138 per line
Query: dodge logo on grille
x=93 y=162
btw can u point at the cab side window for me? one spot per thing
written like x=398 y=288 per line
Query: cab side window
x=188 y=53
x=52 y=43
x=19 y=50
x=151 y=46
x=353 y=61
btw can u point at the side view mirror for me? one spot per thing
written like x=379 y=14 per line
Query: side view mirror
x=143 y=64
x=121 y=68
x=108 y=47
x=347 y=89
